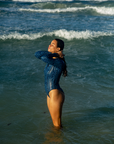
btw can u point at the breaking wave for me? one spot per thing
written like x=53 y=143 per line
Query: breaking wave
x=41 y=0
x=53 y=0
x=69 y=35
x=100 y=10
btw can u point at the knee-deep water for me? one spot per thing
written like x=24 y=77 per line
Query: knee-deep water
x=87 y=28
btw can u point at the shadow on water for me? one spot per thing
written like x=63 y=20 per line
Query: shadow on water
x=91 y=114
x=90 y=125
x=98 y=113
x=83 y=127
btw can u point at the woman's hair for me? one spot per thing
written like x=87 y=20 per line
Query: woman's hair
x=60 y=44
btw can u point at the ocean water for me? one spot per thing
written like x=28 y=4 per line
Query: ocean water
x=87 y=28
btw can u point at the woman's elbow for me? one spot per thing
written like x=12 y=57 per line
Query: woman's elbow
x=37 y=55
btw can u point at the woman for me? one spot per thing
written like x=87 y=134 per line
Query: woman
x=56 y=65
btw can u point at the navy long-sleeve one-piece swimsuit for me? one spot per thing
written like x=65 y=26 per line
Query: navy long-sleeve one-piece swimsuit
x=52 y=71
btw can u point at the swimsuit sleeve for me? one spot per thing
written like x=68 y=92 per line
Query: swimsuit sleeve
x=47 y=57
x=40 y=54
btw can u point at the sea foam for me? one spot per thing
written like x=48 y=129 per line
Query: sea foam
x=40 y=0
x=69 y=35
x=53 y=0
x=100 y=10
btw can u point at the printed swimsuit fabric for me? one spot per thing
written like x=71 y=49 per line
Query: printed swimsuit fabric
x=52 y=71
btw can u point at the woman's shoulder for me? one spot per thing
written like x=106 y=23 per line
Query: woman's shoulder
x=60 y=61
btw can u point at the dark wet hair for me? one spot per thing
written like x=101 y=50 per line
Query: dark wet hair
x=60 y=44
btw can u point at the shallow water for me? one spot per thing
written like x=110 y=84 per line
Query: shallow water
x=87 y=30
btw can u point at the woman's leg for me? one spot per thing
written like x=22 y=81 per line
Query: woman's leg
x=55 y=103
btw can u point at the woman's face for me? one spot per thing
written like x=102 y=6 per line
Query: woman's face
x=53 y=47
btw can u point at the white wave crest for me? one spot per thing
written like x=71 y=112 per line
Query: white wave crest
x=52 y=0
x=101 y=10
x=69 y=35
x=21 y=36
x=40 y=0
x=58 y=10
x=104 y=10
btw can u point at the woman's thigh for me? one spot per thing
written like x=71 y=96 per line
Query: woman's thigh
x=55 y=103
x=56 y=96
